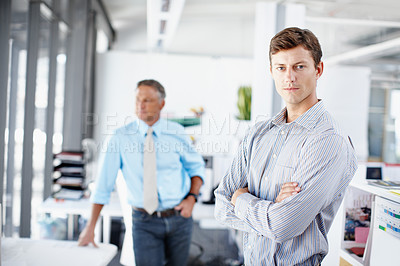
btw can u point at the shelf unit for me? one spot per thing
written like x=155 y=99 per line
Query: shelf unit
x=379 y=247
x=69 y=175
x=357 y=209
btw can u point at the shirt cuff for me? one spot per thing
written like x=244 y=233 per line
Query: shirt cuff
x=199 y=173
x=98 y=199
x=241 y=205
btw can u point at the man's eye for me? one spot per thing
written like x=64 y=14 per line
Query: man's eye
x=280 y=68
x=300 y=67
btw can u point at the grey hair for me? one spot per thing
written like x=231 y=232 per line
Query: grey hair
x=154 y=84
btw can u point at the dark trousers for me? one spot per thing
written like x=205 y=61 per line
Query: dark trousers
x=161 y=241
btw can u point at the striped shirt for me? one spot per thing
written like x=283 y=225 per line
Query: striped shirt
x=310 y=151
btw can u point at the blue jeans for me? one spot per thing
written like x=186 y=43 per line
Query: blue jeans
x=161 y=241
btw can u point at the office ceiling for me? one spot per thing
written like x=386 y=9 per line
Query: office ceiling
x=226 y=28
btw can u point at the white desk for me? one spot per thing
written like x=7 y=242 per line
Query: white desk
x=201 y=212
x=83 y=207
x=25 y=251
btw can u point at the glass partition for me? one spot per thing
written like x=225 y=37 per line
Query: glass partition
x=16 y=105
x=41 y=104
x=15 y=125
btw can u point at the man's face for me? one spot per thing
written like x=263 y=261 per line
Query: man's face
x=148 y=104
x=295 y=77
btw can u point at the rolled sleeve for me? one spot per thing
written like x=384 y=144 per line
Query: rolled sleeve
x=191 y=160
x=194 y=164
x=198 y=171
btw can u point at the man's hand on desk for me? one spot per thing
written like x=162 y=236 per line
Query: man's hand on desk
x=86 y=237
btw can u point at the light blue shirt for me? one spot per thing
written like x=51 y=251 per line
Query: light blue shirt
x=177 y=162
x=311 y=151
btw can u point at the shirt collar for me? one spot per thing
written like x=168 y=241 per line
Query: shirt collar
x=143 y=127
x=280 y=118
x=307 y=120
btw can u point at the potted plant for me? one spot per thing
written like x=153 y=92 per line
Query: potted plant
x=244 y=103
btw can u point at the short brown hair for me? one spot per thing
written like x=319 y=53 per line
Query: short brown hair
x=293 y=37
x=155 y=84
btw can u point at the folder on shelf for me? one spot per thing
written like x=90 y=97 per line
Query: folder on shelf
x=74 y=181
x=70 y=194
x=70 y=170
x=69 y=156
x=384 y=184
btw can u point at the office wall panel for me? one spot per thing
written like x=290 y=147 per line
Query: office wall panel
x=345 y=91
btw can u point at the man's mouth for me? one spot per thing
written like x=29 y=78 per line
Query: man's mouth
x=291 y=89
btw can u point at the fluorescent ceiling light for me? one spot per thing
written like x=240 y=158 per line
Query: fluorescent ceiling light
x=367 y=53
x=162 y=21
x=360 y=22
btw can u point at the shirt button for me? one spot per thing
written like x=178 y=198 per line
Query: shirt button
x=274 y=156
x=249 y=247
x=283 y=132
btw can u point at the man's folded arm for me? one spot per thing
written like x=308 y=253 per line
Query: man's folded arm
x=322 y=177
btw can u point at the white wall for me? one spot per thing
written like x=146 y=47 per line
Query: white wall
x=345 y=91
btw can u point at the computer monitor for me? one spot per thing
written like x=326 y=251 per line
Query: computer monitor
x=375 y=171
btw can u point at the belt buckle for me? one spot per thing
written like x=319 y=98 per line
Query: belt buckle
x=158 y=214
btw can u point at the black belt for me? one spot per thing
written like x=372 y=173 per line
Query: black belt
x=161 y=214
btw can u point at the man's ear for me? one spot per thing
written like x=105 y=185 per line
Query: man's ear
x=162 y=103
x=270 y=71
x=320 y=69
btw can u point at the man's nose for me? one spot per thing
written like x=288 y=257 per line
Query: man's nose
x=290 y=76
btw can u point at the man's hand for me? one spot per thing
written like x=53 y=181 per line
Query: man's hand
x=86 y=237
x=237 y=193
x=186 y=206
x=287 y=190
